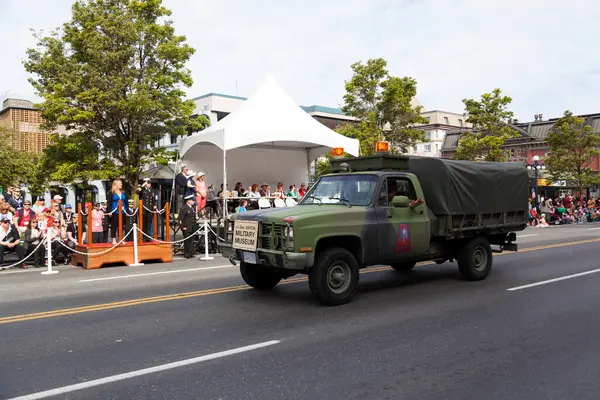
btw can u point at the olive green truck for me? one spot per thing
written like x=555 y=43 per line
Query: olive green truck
x=382 y=210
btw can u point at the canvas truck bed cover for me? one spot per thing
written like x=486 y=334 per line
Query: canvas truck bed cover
x=467 y=187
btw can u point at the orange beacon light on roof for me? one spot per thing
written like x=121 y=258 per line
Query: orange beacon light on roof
x=337 y=152
x=382 y=147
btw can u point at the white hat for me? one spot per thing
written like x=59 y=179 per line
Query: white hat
x=190 y=173
x=189 y=197
x=201 y=173
x=58 y=197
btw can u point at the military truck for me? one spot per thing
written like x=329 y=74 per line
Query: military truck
x=383 y=210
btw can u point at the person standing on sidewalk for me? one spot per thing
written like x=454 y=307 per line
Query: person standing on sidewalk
x=149 y=203
x=186 y=219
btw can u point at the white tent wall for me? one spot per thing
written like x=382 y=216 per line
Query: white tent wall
x=249 y=165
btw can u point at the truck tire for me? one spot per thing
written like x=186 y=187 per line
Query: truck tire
x=403 y=267
x=334 y=277
x=259 y=277
x=475 y=259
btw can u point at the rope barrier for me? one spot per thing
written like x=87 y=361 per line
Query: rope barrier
x=24 y=259
x=215 y=233
x=155 y=211
x=132 y=214
x=176 y=241
x=99 y=253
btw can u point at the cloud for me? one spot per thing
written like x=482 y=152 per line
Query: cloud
x=541 y=53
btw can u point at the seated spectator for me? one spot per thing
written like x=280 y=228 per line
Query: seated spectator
x=33 y=237
x=39 y=206
x=242 y=206
x=265 y=191
x=292 y=192
x=254 y=192
x=10 y=240
x=542 y=221
x=280 y=191
x=6 y=213
x=24 y=216
x=302 y=190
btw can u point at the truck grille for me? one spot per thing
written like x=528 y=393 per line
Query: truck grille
x=268 y=240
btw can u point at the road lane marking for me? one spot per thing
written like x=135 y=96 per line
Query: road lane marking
x=207 y=292
x=145 y=371
x=532 y=234
x=154 y=273
x=562 y=278
x=592 y=229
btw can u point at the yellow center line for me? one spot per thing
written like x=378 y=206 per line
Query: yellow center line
x=229 y=289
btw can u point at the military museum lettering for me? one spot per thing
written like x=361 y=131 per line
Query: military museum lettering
x=245 y=235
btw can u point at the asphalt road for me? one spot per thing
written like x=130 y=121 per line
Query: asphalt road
x=192 y=330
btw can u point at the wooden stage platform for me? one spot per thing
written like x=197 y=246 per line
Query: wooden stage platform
x=148 y=251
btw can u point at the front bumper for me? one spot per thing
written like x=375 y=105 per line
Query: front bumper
x=278 y=259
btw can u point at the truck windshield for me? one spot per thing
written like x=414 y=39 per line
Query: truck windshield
x=356 y=190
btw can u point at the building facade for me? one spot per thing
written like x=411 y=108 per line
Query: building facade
x=438 y=124
x=531 y=142
x=25 y=120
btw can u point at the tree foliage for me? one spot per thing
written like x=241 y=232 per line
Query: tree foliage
x=382 y=106
x=573 y=146
x=489 y=117
x=17 y=166
x=114 y=74
x=323 y=167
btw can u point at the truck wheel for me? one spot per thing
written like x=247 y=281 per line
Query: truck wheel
x=259 y=277
x=334 y=277
x=475 y=259
x=403 y=267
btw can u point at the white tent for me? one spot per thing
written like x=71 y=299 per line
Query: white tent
x=268 y=138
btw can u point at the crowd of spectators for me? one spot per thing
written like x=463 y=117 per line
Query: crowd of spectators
x=565 y=209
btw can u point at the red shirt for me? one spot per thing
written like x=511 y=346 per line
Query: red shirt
x=24 y=217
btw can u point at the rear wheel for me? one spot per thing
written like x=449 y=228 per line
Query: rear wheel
x=404 y=267
x=475 y=259
x=334 y=277
x=259 y=277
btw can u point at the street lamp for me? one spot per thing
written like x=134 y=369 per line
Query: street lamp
x=536 y=167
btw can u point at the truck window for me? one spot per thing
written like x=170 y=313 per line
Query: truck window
x=396 y=187
x=357 y=190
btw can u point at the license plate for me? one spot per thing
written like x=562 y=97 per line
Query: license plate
x=245 y=235
x=249 y=258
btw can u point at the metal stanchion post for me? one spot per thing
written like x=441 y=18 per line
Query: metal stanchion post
x=206 y=256
x=136 y=259
x=49 y=270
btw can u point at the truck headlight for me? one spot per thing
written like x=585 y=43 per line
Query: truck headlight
x=288 y=234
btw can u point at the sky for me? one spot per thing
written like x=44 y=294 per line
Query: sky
x=542 y=53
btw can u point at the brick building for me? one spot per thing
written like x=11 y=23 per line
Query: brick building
x=531 y=142
x=22 y=117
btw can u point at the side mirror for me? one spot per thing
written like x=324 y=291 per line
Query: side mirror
x=400 y=201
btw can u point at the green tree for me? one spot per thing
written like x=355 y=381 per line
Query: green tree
x=17 y=166
x=323 y=167
x=382 y=106
x=489 y=118
x=73 y=158
x=115 y=75
x=573 y=146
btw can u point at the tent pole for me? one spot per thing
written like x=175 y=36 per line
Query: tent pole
x=224 y=179
x=174 y=175
x=171 y=200
x=308 y=166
